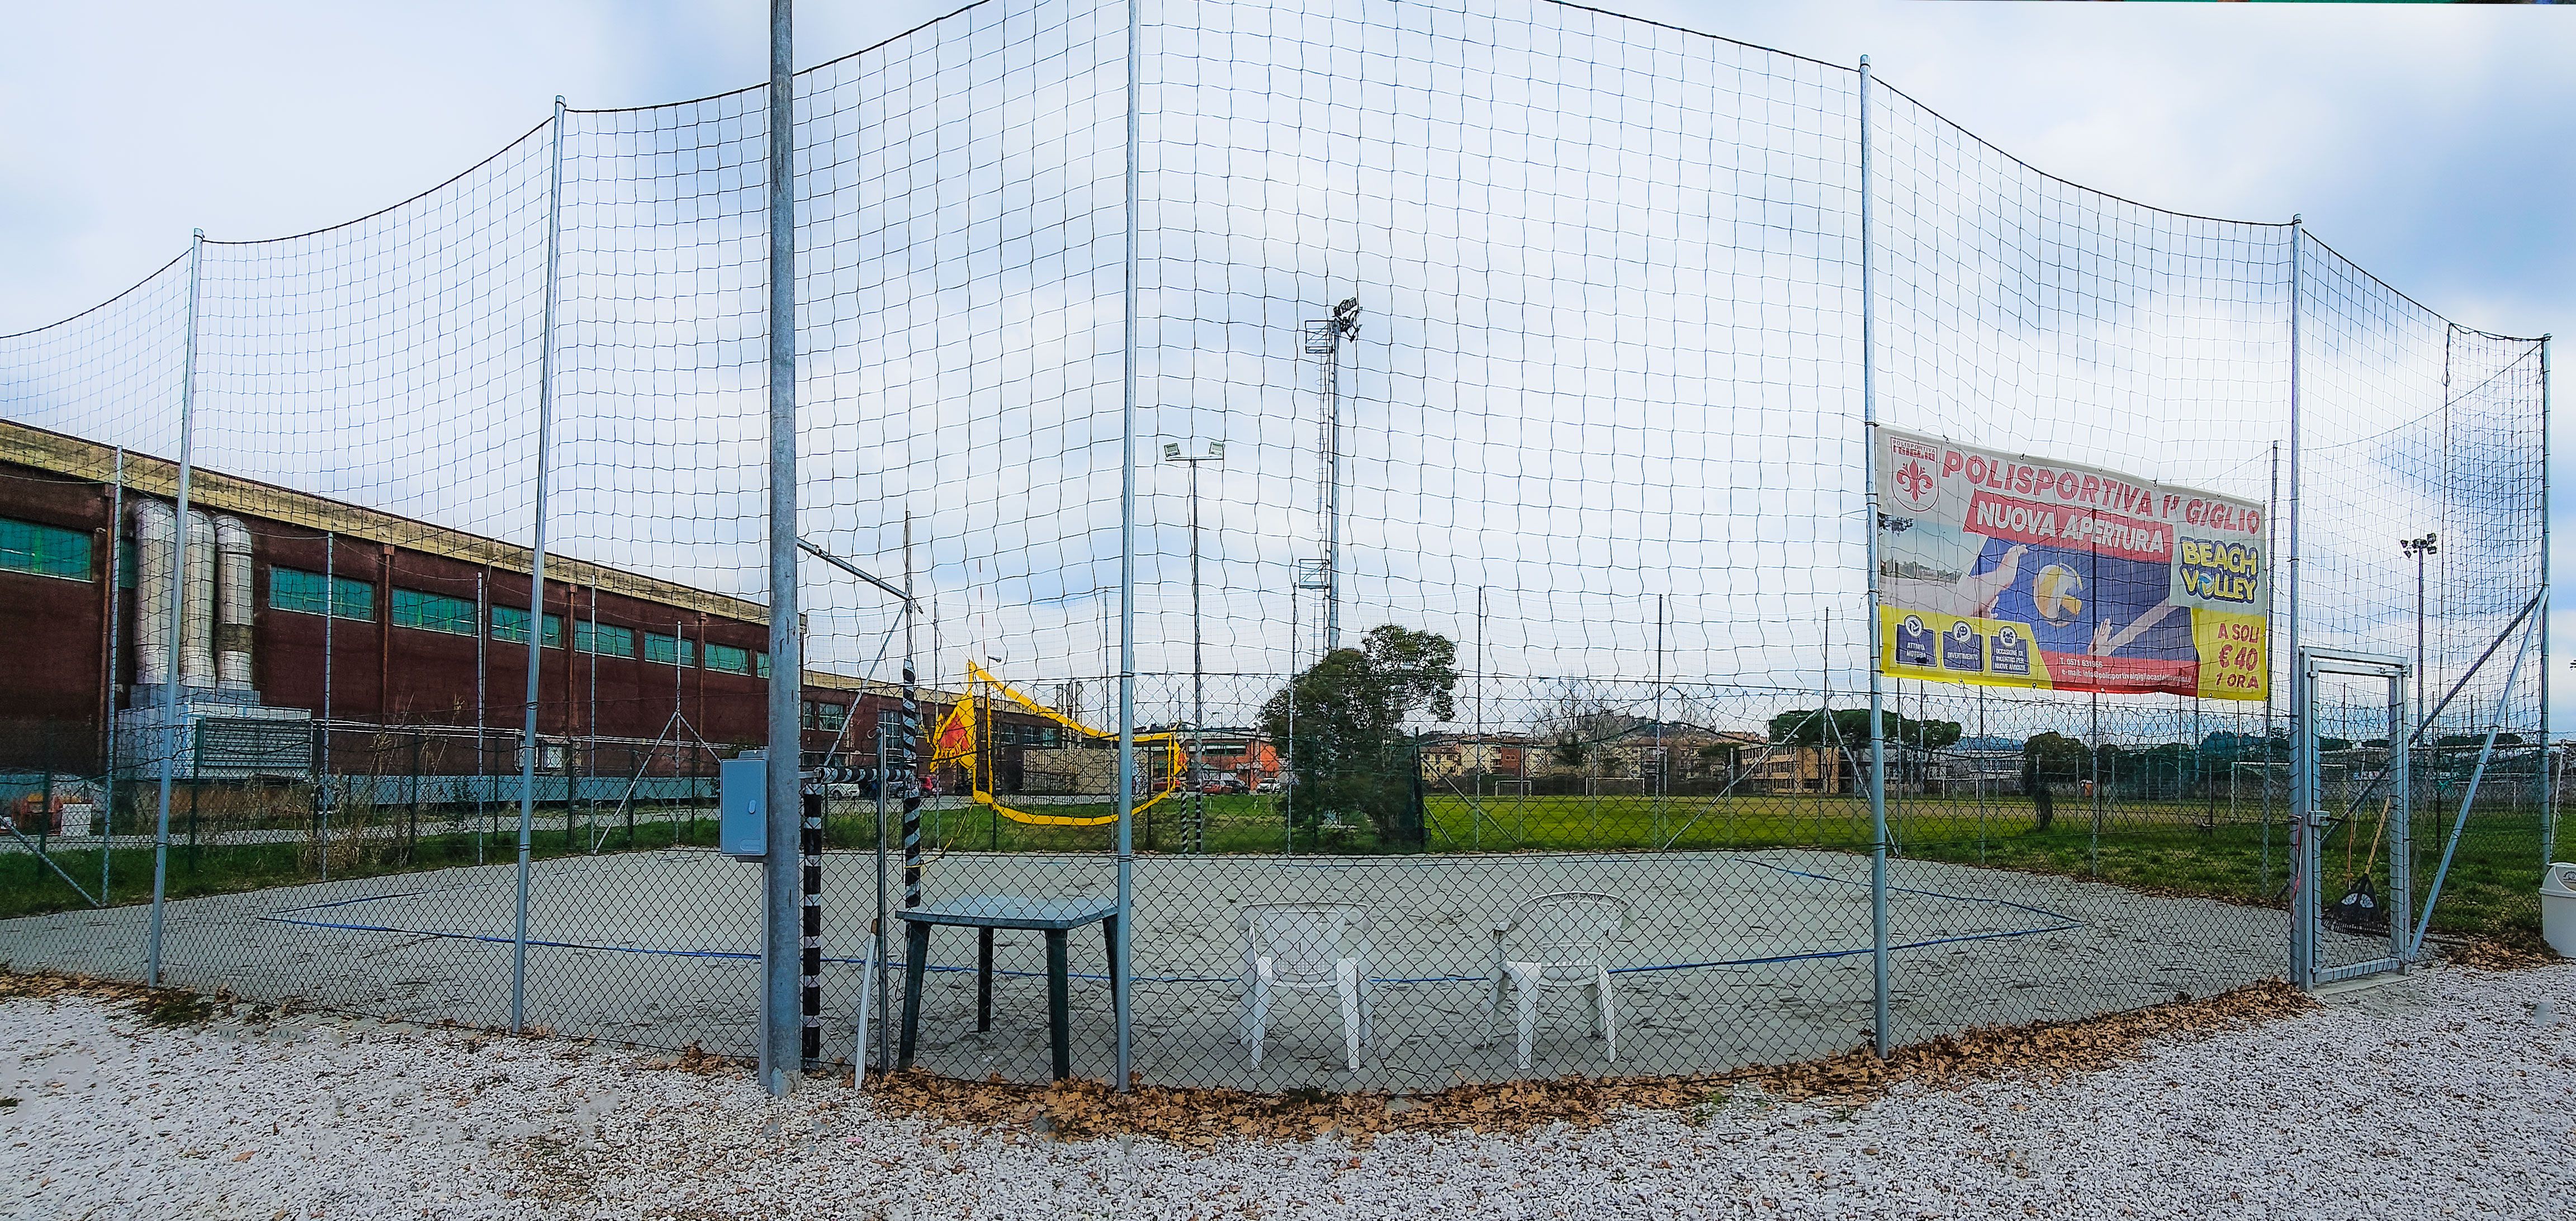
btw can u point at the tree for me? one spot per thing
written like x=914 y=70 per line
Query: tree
x=1350 y=748
x=1802 y=727
x=2047 y=759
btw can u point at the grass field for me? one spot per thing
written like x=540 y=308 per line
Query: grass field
x=2155 y=846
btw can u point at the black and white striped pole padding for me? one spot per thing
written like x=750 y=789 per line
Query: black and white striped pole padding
x=809 y=846
x=910 y=787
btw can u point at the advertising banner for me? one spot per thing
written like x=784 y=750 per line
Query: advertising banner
x=2016 y=571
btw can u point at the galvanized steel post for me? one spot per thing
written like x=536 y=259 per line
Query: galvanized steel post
x=107 y=759
x=2303 y=792
x=779 y=1027
x=1121 y=993
x=2549 y=789
x=536 y=625
x=171 y=733
x=1879 y=1038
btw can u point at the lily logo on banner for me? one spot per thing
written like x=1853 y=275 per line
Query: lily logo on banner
x=1912 y=477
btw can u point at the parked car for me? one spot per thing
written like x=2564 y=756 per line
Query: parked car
x=1221 y=786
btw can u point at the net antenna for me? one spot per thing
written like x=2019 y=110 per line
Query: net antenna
x=1324 y=337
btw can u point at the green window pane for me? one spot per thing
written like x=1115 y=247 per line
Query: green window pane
x=353 y=599
x=760 y=664
x=433 y=612
x=728 y=659
x=669 y=650
x=510 y=623
x=293 y=589
x=46 y=551
x=607 y=640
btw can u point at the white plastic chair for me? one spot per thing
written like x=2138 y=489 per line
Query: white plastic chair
x=1307 y=947
x=1558 y=941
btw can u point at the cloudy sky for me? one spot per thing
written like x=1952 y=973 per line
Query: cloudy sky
x=2427 y=143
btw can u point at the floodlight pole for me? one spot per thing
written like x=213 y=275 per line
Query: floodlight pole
x=781 y=1025
x=1198 y=650
x=1323 y=337
x=2416 y=549
x=1879 y=1040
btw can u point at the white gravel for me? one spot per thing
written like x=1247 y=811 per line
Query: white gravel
x=2437 y=1096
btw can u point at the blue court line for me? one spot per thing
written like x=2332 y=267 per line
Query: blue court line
x=285 y=916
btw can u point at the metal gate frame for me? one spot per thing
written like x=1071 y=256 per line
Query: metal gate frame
x=2310 y=823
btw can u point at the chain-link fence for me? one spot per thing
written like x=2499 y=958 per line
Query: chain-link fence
x=1437 y=441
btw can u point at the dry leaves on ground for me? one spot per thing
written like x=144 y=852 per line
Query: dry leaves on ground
x=1075 y=1110
x=2493 y=954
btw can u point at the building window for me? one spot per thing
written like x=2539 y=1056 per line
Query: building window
x=433 y=612
x=510 y=624
x=760 y=665
x=669 y=650
x=825 y=716
x=293 y=589
x=47 y=551
x=605 y=640
x=728 y=659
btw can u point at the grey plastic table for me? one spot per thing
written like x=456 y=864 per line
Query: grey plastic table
x=985 y=913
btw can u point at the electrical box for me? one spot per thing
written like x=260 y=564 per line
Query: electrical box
x=744 y=793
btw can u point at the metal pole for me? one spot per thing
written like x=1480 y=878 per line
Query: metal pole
x=590 y=722
x=885 y=1050
x=2303 y=796
x=2093 y=737
x=1484 y=754
x=2549 y=807
x=1288 y=749
x=536 y=626
x=779 y=1044
x=330 y=619
x=482 y=641
x=2271 y=518
x=1333 y=494
x=1879 y=1040
x=171 y=732
x=1198 y=683
x=1663 y=766
x=115 y=579
x=1120 y=989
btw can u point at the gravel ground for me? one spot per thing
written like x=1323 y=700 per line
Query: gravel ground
x=2444 y=1094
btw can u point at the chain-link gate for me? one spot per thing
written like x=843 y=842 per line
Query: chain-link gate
x=2352 y=792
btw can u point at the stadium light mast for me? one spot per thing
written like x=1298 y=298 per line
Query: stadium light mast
x=2416 y=549
x=1324 y=338
x=1172 y=452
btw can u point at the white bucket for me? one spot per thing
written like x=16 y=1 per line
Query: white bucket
x=2558 y=908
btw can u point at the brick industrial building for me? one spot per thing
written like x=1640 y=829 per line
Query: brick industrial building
x=426 y=627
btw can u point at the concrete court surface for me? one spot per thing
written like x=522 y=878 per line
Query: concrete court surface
x=1734 y=958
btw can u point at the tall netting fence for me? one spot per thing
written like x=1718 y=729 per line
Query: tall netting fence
x=1468 y=415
